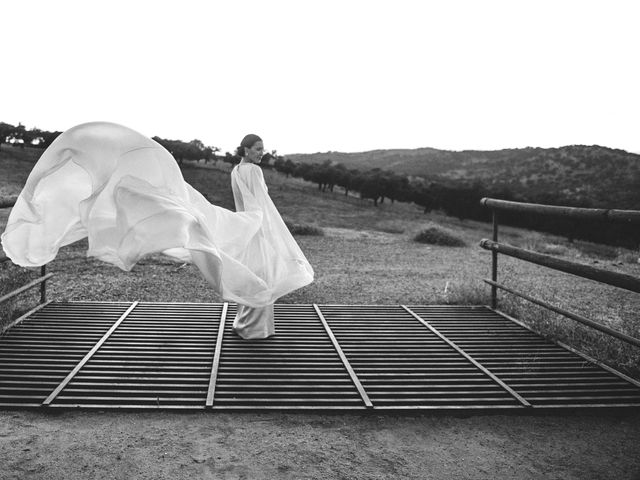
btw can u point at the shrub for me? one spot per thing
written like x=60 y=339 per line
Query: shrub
x=438 y=236
x=303 y=229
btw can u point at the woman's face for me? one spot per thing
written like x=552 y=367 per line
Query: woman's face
x=254 y=154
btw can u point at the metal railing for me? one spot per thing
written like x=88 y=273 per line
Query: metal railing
x=40 y=281
x=616 y=279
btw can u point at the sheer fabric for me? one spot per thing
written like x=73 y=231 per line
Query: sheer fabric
x=126 y=193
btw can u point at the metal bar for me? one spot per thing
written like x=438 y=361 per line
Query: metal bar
x=566 y=313
x=573 y=350
x=620 y=280
x=469 y=358
x=17 y=321
x=25 y=287
x=43 y=285
x=494 y=260
x=88 y=356
x=619 y=216
x=413 y=369
x=216 y=357
x=345 y=361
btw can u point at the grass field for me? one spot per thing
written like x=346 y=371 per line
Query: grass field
x=366 y=255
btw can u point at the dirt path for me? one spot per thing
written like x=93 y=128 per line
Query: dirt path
x=160 y=445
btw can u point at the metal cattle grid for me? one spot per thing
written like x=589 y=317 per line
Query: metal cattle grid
x=323 y=357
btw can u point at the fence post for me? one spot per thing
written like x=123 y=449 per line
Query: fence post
x=43 y=285
x=494 y=261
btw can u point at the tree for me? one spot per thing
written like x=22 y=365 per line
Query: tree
x=327 y=176
x=369 y=187
x=289 y=167
x=6 y=130
x=18 y=134
x=30 y=136
x=344 y=178
x=302 y=170
x=266 y=161
x=48 y=138
x=180 y=150
x=401 y=190
x=195 y=150
x=210 y=153
x=231 y=158
x=424 y=195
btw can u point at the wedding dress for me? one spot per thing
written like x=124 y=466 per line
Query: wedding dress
x=250 y=194
x=126 y=193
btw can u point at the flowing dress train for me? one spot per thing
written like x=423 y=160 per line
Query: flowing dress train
x=126 y=194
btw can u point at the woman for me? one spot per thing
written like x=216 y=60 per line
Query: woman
x=125 y=193
x=250 y=194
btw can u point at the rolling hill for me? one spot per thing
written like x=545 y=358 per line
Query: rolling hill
x=577 y=174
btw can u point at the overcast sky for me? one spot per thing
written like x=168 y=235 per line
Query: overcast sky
x=344 y=75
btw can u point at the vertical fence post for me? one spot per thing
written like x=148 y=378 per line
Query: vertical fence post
x=494 y=261
x=43 y=285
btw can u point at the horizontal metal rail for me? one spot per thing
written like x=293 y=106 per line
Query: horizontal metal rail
x=19 y=320
x=610 y=215
x=621 y=280
x=616 y=279
x=588 y=358
x=29 y=285
x=566 y=313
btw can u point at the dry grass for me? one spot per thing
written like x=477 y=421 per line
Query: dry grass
x=15 y=165
x=610 y=306
x=367 y=256
x=13 y=277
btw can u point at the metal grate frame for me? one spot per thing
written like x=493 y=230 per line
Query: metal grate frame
x=323 y=357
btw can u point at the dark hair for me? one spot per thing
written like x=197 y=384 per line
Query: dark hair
x=247 y=142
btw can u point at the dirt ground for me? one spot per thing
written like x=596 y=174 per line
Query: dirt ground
x=74 y=445
x=165 y=445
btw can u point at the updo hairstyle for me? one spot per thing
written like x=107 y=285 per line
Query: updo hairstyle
x=247 y=142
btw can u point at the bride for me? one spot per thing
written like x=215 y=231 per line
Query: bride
x=126 y=194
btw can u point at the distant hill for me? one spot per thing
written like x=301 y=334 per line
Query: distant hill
x=577 y=174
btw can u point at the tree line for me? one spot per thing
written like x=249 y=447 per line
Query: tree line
x=457 y=199
x=454 y=198
x=193 y=150
x=19 y=135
